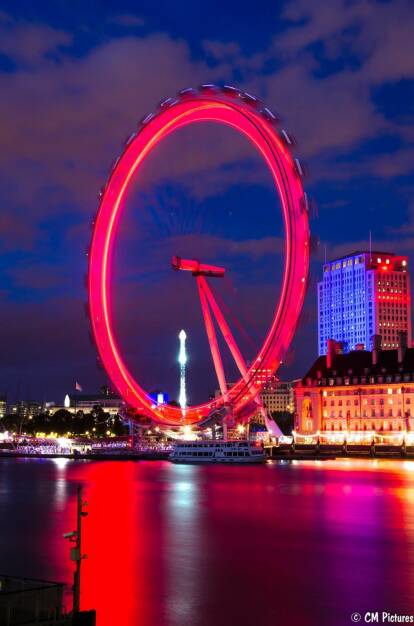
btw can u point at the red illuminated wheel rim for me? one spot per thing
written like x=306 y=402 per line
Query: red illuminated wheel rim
x=243 y=113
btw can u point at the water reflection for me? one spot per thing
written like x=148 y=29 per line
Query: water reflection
x=296 y=543
x=183 y=545
x=60 y=495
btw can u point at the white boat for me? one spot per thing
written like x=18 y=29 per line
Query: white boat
x=218 y=452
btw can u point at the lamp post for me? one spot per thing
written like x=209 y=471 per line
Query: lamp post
x=76 y=555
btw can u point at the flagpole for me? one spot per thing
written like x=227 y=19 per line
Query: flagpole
x=76 y=397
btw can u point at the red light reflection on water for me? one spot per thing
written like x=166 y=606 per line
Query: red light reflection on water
x=164 y=541
x=113 y=575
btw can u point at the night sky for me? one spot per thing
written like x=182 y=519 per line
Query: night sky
x=75 y=79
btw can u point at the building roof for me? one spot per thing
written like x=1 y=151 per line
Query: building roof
x=359 y=363
x=357 y=252
x=15 y=584
x=98 y=398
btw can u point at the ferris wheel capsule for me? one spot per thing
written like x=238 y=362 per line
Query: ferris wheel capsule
x=250 y=99
x=230 y=90
x=209 y=87
x=145 y=120
x=270 y=116
x=188 y=91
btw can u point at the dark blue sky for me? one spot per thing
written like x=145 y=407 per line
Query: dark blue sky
x=76 y=77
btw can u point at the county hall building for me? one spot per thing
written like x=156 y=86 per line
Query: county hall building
x=359 y=391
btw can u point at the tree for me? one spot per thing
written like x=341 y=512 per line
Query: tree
x=284 y=420
x=61 y=421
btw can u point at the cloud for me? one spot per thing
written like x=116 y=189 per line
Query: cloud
x=407 y=230
x=210 y=248
x=378 y=34
x=318 y=21
x=127 y=20
x=38 y=276
x=405 y=245
x=208 y=175
x=330 y=114
x=387 y=166
x=245 y=259
x=41 y=333
x=62 y=121
x=29 y=44
x=398 y=163
x=17 y=232
x=362 y=43
x=221 y=51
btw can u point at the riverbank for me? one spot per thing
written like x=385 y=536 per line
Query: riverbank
x=121 y=456
x=291 y=452
x=318 y=451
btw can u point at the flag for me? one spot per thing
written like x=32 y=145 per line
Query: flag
x=78 y=387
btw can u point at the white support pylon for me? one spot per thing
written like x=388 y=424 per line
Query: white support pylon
x=270 y=424
x=182 y=359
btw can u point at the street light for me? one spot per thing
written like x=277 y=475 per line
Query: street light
x=76 y=555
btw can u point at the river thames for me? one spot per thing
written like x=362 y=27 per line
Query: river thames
x=305 y=543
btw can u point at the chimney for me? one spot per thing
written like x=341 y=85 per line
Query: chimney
x=376 y=342
x=329 y=353
x=334 y=347
x=402 y=345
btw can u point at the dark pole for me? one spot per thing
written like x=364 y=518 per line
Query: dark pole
x=76 y=552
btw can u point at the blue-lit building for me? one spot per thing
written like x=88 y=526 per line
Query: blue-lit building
x=362 y=295
x=159 y=397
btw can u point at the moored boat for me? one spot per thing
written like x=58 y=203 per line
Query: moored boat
x=218 y=452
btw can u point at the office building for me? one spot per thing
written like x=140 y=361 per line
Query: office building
x=362 y=295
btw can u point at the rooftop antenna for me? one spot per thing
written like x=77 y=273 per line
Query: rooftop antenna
x=370 y=247
x=325 y=253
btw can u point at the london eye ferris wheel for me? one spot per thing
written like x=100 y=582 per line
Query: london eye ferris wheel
x=247 y=115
